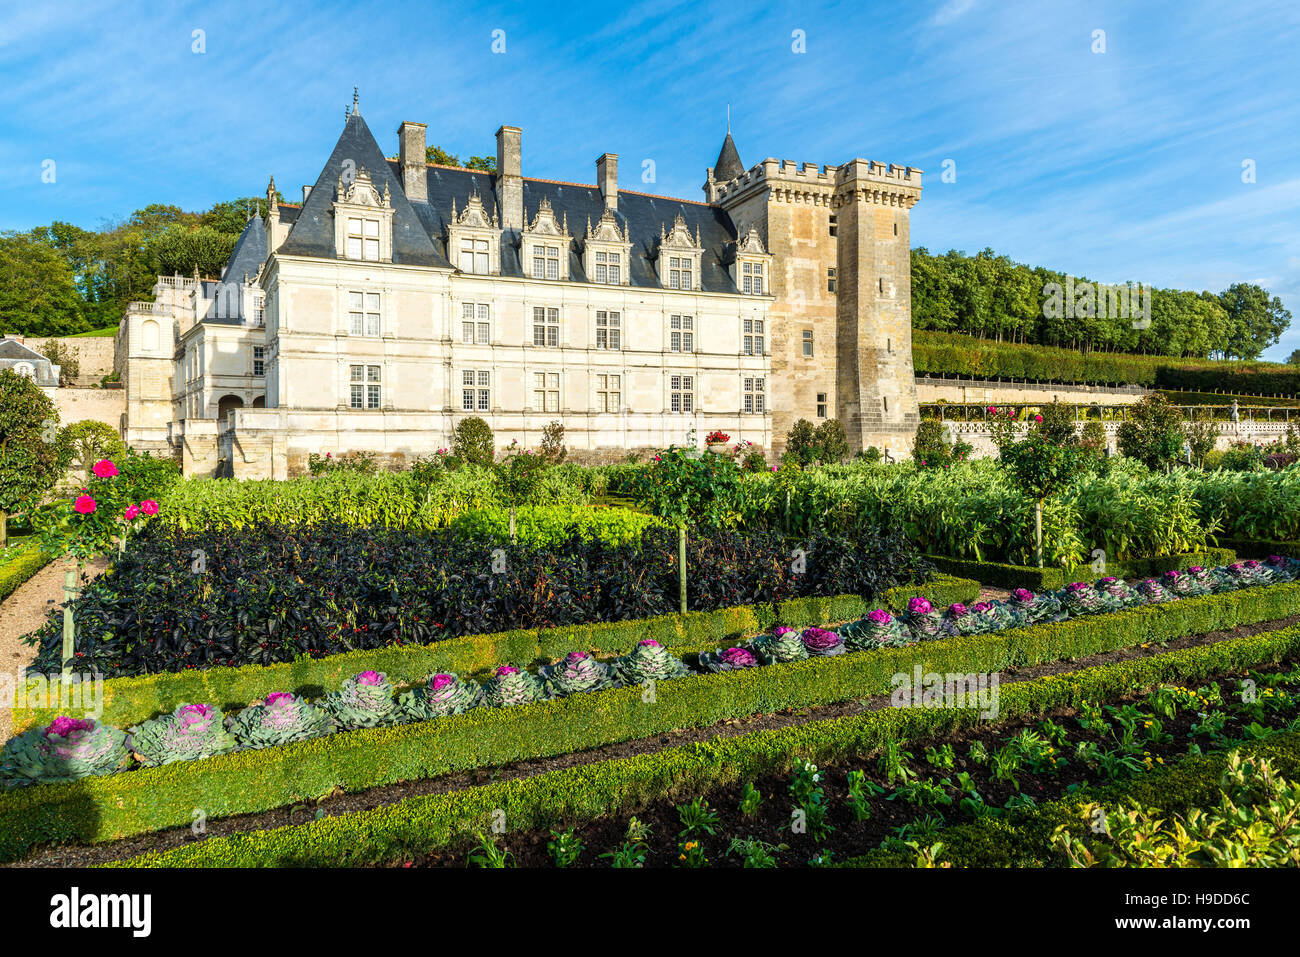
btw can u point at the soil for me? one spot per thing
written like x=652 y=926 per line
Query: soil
x=346 y=803
x=25 y=611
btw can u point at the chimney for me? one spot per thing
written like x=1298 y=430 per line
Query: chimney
x=306 y=191
x=607 y=177
x=411 y=153
x=510 y=182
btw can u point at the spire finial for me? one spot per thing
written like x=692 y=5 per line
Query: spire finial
x=728 y=119
x=356 y=106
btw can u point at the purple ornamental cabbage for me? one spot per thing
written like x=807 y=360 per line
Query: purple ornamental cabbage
x=649 y=661
x=66 y=750
x=511 y=686
x=439 y=696
x=783 y=644
x=1184 y=584
x=281 y=719
x=960 y=620
x=1154 y=593
x=577 y=671
x=923 y=621
x=879 y=629
x=822 y=643
x=190 y=732
x=1115 y=594
x=363 y=701
x=732 y=659
x=1080 y=598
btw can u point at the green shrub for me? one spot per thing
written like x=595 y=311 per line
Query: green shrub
x=1152 y=433
x=832 y=442
x=801 y=442
x=473 y=441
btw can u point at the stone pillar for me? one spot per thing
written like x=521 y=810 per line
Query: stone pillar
x=876 y=385
x=510 y=182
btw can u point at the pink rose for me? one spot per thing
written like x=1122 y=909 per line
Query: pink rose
x=84 y=504
x=132 y=513
x=149 y=507
x=104 y=468
x=1038 y=418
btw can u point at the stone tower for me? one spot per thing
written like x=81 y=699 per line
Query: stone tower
x=841 y=336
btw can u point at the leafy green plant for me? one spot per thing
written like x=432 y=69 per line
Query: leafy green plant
x=697 y=818
x=750 y=799
x=191 y=732
x=755 y=853
x=365 y=700
x=30 y=461
x=472 y=441
x=487 y=854
x=280 y=719
x=66 y=750
x=564 y=848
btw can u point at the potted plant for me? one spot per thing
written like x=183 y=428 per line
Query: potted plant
x=717 y=441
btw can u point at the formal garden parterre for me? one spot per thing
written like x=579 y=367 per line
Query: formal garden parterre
x=370 y=639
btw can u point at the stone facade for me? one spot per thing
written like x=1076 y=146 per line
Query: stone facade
x=401 y=297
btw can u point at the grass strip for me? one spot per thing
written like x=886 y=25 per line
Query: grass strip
x=1050 y=578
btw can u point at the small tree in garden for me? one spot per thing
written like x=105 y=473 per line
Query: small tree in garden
x=85 y=443
x=65 y=357
x=832 y=442
x=552 y=448
x=1056 y=423
x=801 y=442
x=689 y=489
x=30 y=461
x=518 y=473
x=1038 y=466
x=1153 y=432
x=932 y=449
x=473 y=441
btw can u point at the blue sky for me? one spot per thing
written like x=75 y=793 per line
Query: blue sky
x=1120 y=165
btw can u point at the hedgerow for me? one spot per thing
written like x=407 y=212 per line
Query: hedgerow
x=626 y=784
x=152 y=798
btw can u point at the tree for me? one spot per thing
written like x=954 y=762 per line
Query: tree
x=1039 y=466
x=801 y=442
x=932 y=448
x=29 y=449
x=473 y=441
x=552 y=448
x=84 y=443
x=832 y=442
x=1153 y=432
x=65 y=357
x=436 y=154
x=1256 y=320
x=38 y=292
x=1201 y=434
x=1294 y=358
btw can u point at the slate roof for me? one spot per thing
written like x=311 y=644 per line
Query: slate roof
x=420 y=228
x=12 y=352
x=728 y=166
x=250 y=252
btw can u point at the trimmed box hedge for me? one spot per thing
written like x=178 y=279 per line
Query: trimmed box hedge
x=1258 y=548
x=147 y=799
x=1053 y=577
x=1026 y=840
x=128 y=701
x=624 y=785
x=25 y=560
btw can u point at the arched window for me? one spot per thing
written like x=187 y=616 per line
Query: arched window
x=149 y=335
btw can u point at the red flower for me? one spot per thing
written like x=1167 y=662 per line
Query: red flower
x=104 y=468
x=84 y=504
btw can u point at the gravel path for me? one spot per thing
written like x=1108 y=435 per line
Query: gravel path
x=26 y=610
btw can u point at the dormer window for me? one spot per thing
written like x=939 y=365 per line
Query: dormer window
x=545 y=244
x=474 y=255
x=363 y=219
x=363 y=238
x=474 y=239
x=609 y=267
x=679 y=256
x=751 y=265
x=607 y=251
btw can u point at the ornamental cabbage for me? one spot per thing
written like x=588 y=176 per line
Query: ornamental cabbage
x=281 y=719
x=924 y=623
x=1154 y=593
x=577 y=671
x=822 y=643
x=363 y=701
x=1080 y=598
x=66 y=750
x=190 y=732
x=649 y=661
x=511 y=686
x=1183 y=584
x=879 y=629
x=782 y=645
x=1115 y=594
x=439 y=696
x=961 y=620
x=733 y=659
